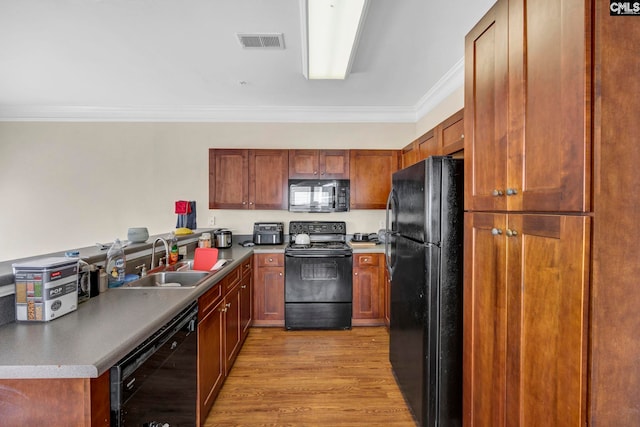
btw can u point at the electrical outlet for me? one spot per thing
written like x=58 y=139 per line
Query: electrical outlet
x=382 y=224
x=182 y=250
x=212 y=221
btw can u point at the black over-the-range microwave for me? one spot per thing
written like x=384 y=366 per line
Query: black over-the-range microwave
x=318 y=195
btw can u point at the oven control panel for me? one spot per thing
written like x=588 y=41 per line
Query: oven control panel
x=317 y=227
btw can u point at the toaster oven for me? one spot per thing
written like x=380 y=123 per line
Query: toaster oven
x=268 y=233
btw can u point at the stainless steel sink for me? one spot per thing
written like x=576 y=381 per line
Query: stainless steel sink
x=168 y=279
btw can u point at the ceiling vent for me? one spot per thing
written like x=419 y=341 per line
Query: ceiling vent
x=261 y=41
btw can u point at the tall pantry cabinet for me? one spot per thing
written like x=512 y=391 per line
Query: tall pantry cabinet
x=551 y=296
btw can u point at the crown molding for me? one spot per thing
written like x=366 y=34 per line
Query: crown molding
x=449 y=83
x=207 y=114
x=452 y=80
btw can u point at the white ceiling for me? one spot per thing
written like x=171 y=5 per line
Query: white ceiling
x=181 y=60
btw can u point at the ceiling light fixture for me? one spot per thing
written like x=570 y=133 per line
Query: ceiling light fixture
x=330 y=33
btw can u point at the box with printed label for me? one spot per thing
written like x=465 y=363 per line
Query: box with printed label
x=46 y=288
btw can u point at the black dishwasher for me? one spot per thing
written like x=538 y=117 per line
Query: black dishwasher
x=155 y=385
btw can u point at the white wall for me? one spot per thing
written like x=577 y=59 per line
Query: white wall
x=67 y=185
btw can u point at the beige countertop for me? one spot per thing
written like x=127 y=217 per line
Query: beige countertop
x=87 y=342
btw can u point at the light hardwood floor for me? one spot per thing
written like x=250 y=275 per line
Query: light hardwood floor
x=312 y=378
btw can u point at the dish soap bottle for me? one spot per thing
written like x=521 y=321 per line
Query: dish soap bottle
x=116 y=264
x=173 y=249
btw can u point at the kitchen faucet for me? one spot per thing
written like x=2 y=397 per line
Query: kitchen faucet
x=153 y=250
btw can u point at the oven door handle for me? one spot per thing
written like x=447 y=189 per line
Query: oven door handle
x=307 y=255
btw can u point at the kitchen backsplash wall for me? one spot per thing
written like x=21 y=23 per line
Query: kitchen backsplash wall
x=72 y=184
x=241 y=222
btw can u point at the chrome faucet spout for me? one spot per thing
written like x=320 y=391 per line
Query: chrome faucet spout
x=153 y=250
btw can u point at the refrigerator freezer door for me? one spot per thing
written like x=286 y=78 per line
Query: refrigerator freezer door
x=414 y=314
x=417 y=191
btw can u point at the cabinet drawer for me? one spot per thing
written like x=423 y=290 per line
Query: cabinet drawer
x=209 y=299
x=269 y=260
x=360 y=260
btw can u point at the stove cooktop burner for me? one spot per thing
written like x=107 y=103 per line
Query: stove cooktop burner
x=320 y=246
x=326 y=238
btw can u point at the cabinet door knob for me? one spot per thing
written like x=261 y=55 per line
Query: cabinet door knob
x=270 y=259
x=511 y=191
x=228 y=305
x=315 y=172
x=496 y=231
x=223 y=309
x=321 y=173
x=462 y=136
x=355 y=274
x=244 y=203
x=280 y=274
x=511 y=233
x=250 y=203
x=497 y=193
x=244 y=286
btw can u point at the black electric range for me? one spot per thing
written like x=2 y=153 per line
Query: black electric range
x=318 y=277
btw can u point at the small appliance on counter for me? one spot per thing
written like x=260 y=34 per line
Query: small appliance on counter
x=46 y=288
x=222 y=238
x=268 y=233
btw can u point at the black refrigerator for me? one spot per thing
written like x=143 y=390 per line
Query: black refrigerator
x=424 y=258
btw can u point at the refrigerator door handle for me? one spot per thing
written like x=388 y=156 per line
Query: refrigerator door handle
x=389 y=232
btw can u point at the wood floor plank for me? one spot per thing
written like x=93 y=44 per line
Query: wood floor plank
x=312 y=378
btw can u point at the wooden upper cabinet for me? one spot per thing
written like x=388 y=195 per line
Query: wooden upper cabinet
x=452 y=133
x=428 y=145
x=549 y=101
x=409 y=154
x=370 y=175
x=228 y=179
x=485 y=111
x=268 y=179
x=527 y=108
x=444 y=139
x=248 y=179
x=323 y=164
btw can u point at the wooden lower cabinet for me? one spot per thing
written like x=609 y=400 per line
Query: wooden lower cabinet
x=211 y=363
x=368 y=289
x=269 y=289
x=223 y=324
x=55 y=402
x=525 y=317
x=246 y=298
x=233 y=335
